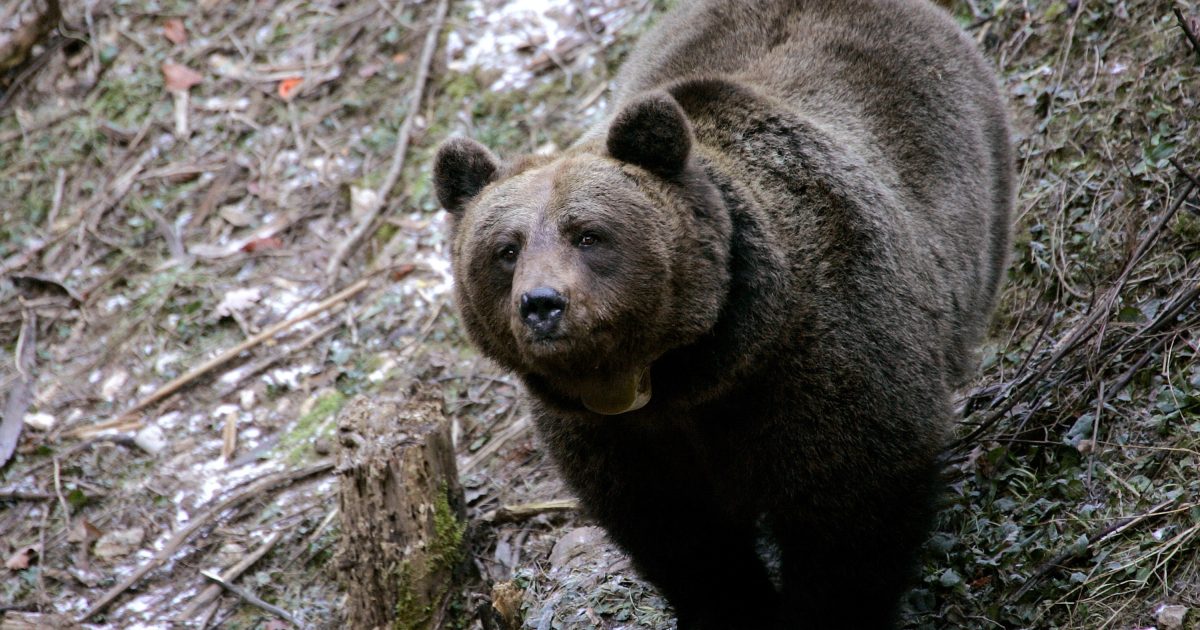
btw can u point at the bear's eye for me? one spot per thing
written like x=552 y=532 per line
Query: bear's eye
x=587 y=239
x=508 y=253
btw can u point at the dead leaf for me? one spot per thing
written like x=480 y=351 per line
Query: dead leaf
x=288 y=87
x=262 y=245
x=179 y=78
x=21 y=560
x=174 y=31
x=115 y=544
x=402 y=272
x=83 y=531
x=37 y=286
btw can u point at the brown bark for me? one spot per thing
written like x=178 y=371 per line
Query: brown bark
x=402 y=510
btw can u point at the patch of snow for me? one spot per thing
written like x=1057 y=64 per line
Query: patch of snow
x=164 y=360
x=509 y=35
x=151 y=439
x=212 y=483
x=137 y=605
x=40 y=421
x=233 y=376
x=285 y=300
x=443 y=281
x=115 y=303
x=287 y=377
x=169 y=419
x=380 y=374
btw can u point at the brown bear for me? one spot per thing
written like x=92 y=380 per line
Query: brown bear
x=741 y=303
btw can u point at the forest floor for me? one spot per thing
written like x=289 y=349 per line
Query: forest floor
x=195 y=276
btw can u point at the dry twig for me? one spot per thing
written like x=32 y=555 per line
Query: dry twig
x=1093 y=325
x=123 y=421
x=250 y=598
x=1078 y=551
x=1187 y=31
x=232 y=573
x=401 y=151
x=526 y=511
x=264 y=485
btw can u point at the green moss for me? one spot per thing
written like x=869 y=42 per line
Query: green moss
x=445 y=553
x=448 y=533
x=298 y=442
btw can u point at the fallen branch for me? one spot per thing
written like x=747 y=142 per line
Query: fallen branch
x=254 y=490
x=250 y=598
x=1078 y=551
x=211 y=591
x=1187 y=30
x=401 y=151
x=526 y=511
x=123 y=421
x=1183 y=171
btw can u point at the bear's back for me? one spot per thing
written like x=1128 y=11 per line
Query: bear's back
x=896 y=83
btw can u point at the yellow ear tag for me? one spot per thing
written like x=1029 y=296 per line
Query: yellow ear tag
x=620 y=394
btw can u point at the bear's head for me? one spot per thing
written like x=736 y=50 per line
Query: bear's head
x=580 y=270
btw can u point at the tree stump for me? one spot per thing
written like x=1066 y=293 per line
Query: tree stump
x=402 y=510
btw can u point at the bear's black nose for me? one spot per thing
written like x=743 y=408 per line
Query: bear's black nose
x=542 y=309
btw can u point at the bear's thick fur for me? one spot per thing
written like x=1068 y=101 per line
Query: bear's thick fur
x=741 y=303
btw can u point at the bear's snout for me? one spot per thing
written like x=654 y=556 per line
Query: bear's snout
x=542 y=309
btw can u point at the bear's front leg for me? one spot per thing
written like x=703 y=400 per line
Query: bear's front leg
x=656 y=498
x=848 y=560
x=706 y=567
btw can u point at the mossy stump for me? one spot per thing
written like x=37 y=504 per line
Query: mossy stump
x=402 y=510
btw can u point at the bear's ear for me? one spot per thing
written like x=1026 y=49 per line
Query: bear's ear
x=652 y=132
x=461 y=169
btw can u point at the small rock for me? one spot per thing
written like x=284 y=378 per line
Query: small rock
x=574 y=543
x=119 y=543
x=151 y=439
x=40 y=421
x=1170 y=617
